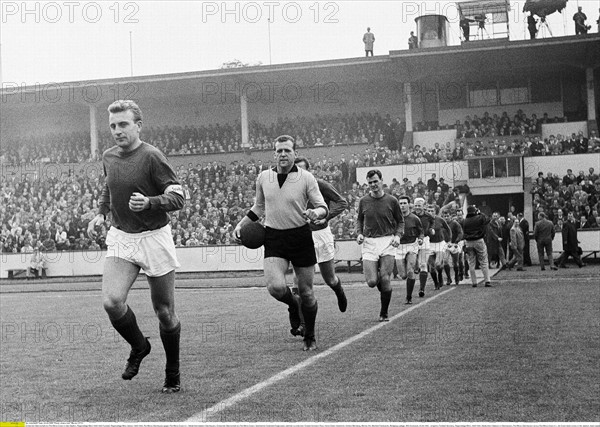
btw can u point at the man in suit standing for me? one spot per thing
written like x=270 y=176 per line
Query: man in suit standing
x=517 y=243
x=543 y=233
x=368 y=40
x=432 y=183
x=570 y=243
x=524 y=224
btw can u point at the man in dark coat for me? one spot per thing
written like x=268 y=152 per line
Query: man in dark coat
x=524 y=224
x=543 y=233
x=570 y=243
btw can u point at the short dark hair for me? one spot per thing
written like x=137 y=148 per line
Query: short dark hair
x=284 y=138
x=374 y=172
x=302 y=160
x=405 y=197
x=126 y=105
x=541 y=215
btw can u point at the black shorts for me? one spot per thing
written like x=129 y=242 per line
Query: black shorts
x=294 y=244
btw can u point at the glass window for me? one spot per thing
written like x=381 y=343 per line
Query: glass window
x=474 y=169
x=487 y=168
x=514 y=166
x=514 y=95
x=500 y=167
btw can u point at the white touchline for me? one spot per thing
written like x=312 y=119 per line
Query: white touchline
x=203 y=416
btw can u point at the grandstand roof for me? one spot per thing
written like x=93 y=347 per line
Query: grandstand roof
x=472 y=59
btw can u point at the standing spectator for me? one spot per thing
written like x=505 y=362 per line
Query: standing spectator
x=413 y=41
x=474 y=229
x=543 y=233
x=494 y=242
x=570 y=243
x=524 y=224
x=532 y=25
x=465 y=25
x=345 y=171
x=517 y=243
x=368 y=40
x=432 y=183
x=579 y=18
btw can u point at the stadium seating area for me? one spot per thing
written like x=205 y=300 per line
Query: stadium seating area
x=579 y=194
x=54 y=213
x=475 y=137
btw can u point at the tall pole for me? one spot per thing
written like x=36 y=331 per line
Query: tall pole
x=131 y=53
x=1 y=66
x=269 y=27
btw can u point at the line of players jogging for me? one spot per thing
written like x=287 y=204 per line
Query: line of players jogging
x=422 y=239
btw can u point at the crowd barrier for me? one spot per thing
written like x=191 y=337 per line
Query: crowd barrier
x=192 y=259
x=223 y=258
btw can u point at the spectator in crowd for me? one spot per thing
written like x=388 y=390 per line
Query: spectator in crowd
x=517 y=243
x=37 y=264
x=570 y=243
x=543 y=233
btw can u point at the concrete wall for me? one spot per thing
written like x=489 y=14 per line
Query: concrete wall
x=220 y=258
x=559 y=164
x=193 y=259
x=565 y=129
x=449 y=117
x=428 y=139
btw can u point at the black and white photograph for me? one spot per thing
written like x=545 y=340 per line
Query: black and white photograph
x=299 y=212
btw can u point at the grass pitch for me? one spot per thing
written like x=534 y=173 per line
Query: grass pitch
x=527 y=349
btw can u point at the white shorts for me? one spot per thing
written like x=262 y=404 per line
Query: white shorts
x=437 y=247
x=425 y=245
x=153 y=251
x=324 y=244
x=374 y=248
x=453 y=248
x=407 y=248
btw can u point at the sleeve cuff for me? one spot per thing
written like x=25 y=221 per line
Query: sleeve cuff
x=252 y=216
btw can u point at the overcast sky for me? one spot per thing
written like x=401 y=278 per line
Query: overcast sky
x=82 y=40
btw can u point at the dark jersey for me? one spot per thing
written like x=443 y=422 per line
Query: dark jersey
x=336 y=203
x=144 y=170
x=427 y=223
x=379 y=217
x=413 y=229
x=457 y=231
x=442 y=230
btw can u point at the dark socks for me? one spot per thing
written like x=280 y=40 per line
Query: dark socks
x=170 y=340
x=447 y=270
x=440 y=274
x=434 y=277
x=410 y=285
x=128 y=328
x=386 y=297
x=422 y=280
x=310 y=317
